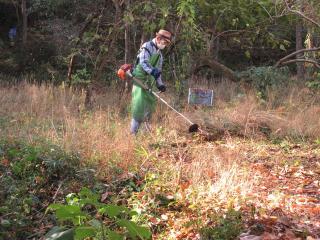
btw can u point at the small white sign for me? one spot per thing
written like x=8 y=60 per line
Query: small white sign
x=199 y=96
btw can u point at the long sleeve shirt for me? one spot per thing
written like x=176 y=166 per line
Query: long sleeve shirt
x=146 y=51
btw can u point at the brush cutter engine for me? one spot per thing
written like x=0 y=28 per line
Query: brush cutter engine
x=124 y=70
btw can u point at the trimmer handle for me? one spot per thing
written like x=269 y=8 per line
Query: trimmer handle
x=141 y=84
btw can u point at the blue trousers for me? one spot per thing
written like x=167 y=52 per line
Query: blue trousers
x=135 y=125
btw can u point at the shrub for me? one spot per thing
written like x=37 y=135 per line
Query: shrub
x=263 y=78
x=29 y=175
x=84 y=216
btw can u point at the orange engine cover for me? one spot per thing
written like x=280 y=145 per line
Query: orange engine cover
x=123 y=70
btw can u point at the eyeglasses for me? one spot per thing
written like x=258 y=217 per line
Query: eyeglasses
x=164 y=37
x=164 y=42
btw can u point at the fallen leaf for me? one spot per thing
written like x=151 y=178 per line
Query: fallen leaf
x=268 y=236
x=284 y=220
x=289 y=235
x=154 y=221
x=105 y=196
x=37 y=179
x=5 y=162
x=164 y=217
x=315 y=210
x=310 y=238
x=249 y=237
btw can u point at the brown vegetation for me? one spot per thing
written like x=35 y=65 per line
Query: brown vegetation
x=229 y=170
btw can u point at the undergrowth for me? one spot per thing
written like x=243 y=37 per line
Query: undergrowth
x=180 y=185
x=30 y=177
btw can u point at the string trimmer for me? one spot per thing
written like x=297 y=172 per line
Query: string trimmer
x=125 y=70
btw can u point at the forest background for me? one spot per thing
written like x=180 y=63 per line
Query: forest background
x=70 y=169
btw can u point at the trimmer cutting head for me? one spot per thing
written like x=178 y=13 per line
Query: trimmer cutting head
x=193 y=128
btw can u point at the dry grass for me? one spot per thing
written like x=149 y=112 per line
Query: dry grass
x=57 y=115
x=211 y=176
x=102 y=137
x=291 y=112
x=218 y=173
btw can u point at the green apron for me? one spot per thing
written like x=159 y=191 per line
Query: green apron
x=144 y=102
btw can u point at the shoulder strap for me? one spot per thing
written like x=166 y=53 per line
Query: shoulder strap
x=151 y=43
x=137 y=61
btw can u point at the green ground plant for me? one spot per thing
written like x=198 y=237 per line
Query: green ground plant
x=228 y=227
x=314 y=83
x=84 y=216
x=29 y=173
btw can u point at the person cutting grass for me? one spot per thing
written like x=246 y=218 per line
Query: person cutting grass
x=148 y=69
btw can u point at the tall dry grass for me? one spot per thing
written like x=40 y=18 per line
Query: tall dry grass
x=57 y=115
x=292 y=111
x=101 y=136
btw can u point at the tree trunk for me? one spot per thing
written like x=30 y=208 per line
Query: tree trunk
x=299 y=46
x=24 y=22
x=106 y=58
x=70 y=70
x=143 y=38
x=88 y=102
x=127 y=49
x=126 y=44
x=127 y=39
x=217 y=49
x=80 y=36
x=16 y=6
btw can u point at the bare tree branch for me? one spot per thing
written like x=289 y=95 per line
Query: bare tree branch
x=206 y=61
x=295 y=53
x=264 y=9
x=301 y=14
x=316 y=64
x=305 y=17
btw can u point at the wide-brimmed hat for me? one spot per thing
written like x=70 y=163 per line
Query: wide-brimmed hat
x=166 y=35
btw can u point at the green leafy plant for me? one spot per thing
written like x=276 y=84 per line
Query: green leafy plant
x=81 y=77
x=84 y=216
x=263 y=78
x=228 y=227
x=314 y=84
x=26 y=170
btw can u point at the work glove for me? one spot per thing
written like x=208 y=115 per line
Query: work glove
x=155 y=73
x=162 y=88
